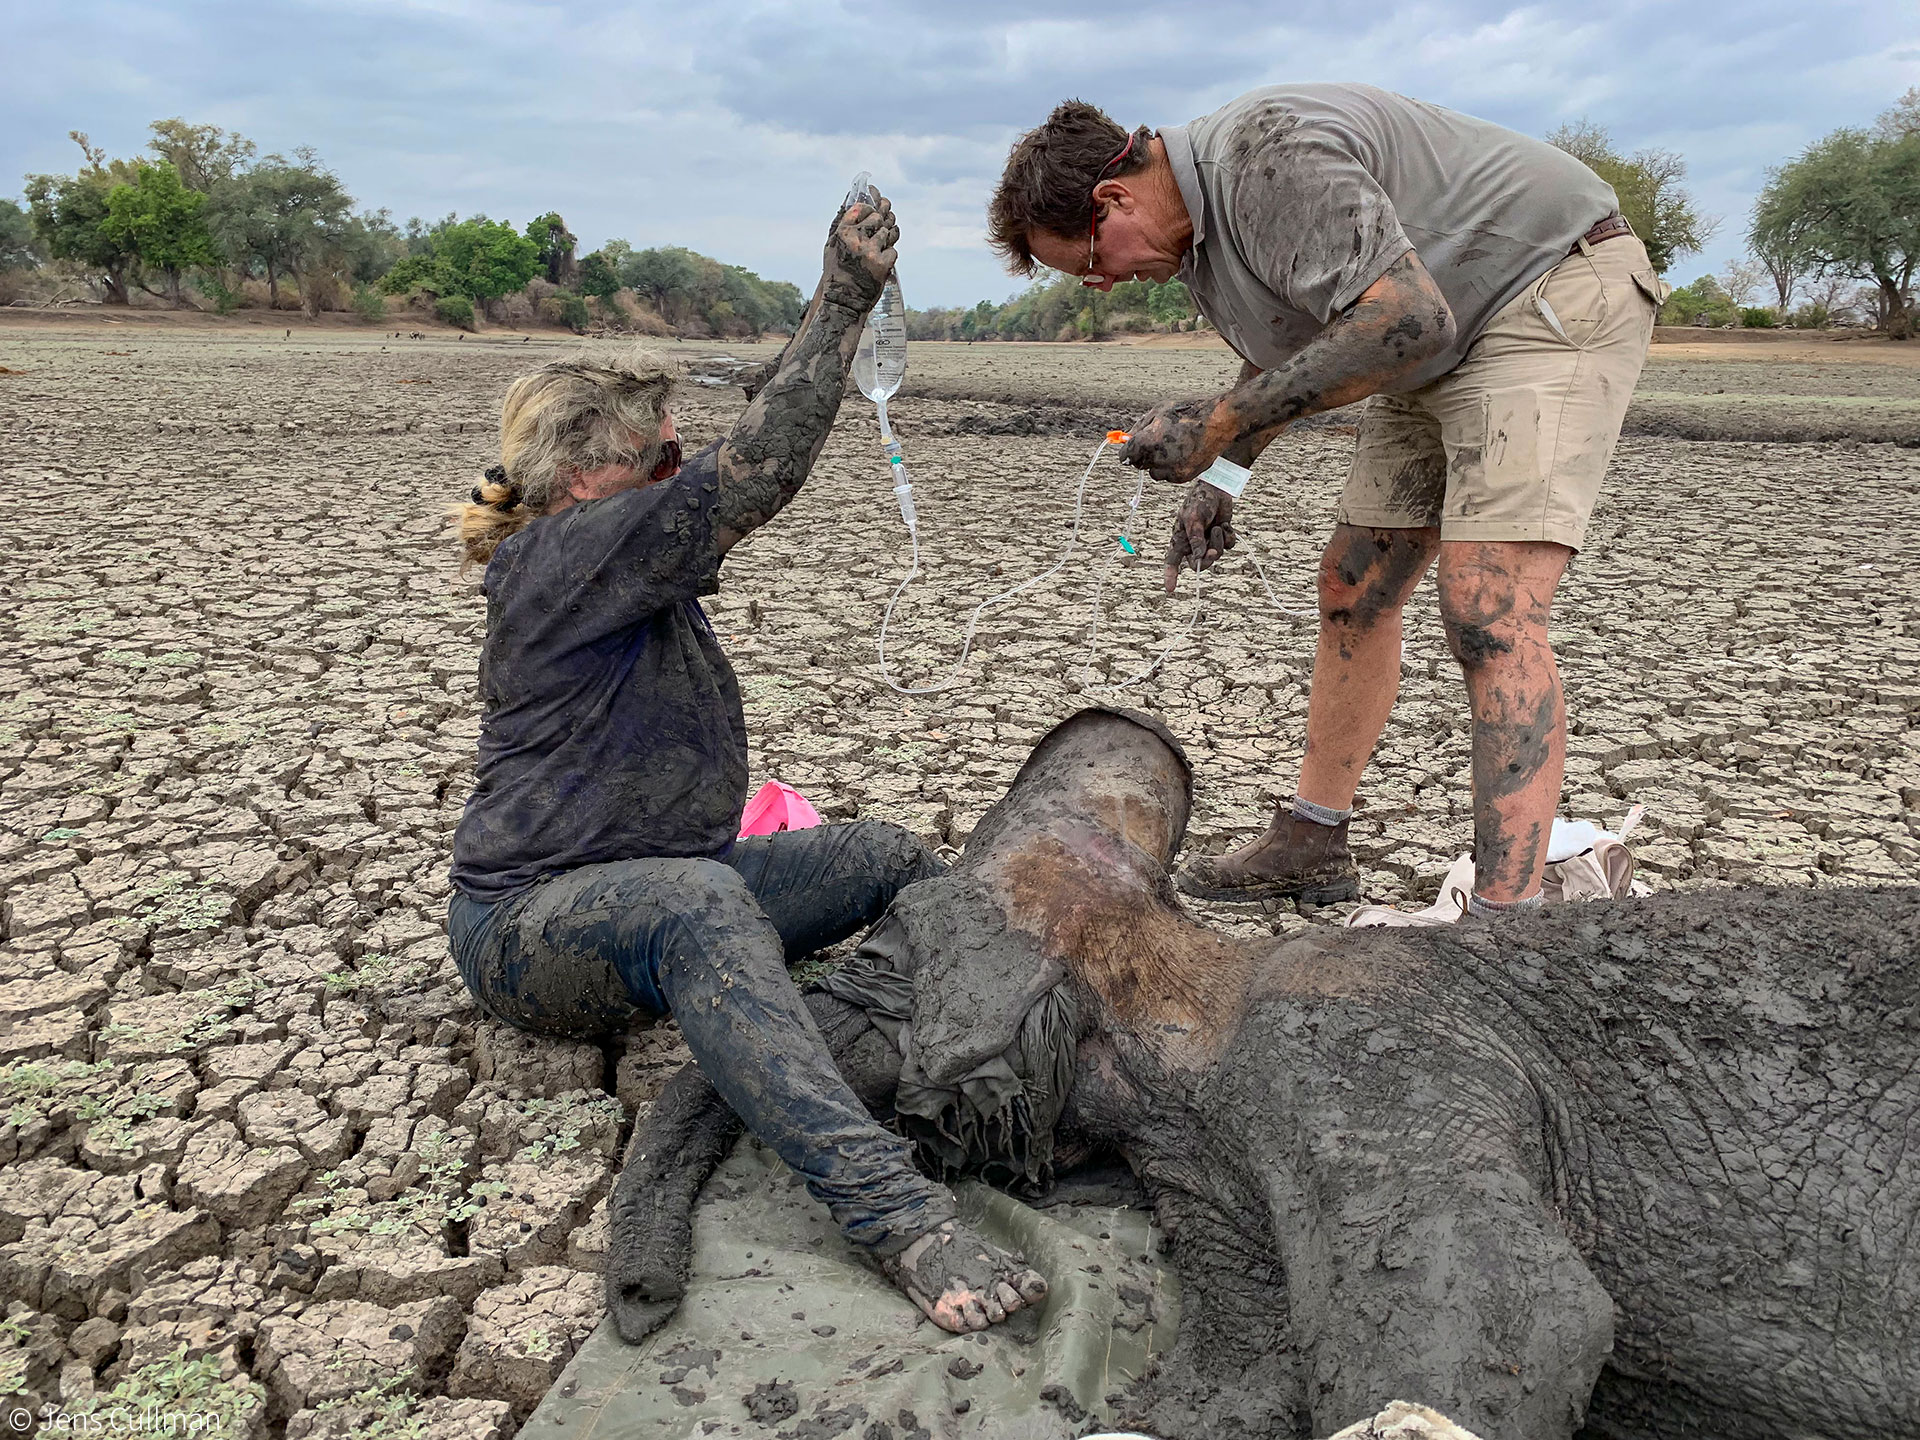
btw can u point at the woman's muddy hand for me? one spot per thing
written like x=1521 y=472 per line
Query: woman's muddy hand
x=1202 y=531
x=860 y=251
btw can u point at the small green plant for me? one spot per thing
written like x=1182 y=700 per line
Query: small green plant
x=455 y=310
x=184 y=904
x=179 y=1392
x=1758 y=317
x=30 y=1089
x=394 y=1410
x=110 y=1121
x=377 y=973
x=563 y=1120
x=437 y=1197
x=369 y=303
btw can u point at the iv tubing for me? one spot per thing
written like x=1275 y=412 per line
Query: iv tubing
x=904 y=490
x=973 y=620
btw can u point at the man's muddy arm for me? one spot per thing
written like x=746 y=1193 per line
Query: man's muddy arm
x=770 y=450
x=1245 y=452
x=1398 y=323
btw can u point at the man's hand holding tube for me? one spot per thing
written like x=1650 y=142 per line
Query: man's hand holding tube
x=1202 y=531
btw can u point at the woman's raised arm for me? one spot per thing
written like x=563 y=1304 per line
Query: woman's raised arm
x=769 y=451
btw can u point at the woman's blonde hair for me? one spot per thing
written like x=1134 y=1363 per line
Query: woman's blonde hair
x=574 y=415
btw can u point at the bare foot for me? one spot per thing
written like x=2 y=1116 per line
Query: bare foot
x=962 y=1282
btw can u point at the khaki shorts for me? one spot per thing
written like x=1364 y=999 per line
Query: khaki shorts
x=1513 y=442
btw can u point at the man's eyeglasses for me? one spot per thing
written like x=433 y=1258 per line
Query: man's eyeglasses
x=1093 y=227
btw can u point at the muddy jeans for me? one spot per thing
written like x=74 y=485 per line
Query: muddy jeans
x=708 y=941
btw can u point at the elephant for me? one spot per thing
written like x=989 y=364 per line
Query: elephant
x=1621 y=1170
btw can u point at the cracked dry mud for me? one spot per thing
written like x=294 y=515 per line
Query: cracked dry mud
x=249 y=1113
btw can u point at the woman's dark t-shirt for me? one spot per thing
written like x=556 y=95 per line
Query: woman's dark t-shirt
x=611 y=725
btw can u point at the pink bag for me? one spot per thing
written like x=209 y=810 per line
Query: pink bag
x=777 y=807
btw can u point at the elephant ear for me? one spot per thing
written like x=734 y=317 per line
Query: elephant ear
x=974 y=980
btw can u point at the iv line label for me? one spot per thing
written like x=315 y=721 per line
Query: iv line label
x=1224 y=475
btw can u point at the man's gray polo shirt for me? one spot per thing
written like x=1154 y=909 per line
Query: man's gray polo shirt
x=1301 y=196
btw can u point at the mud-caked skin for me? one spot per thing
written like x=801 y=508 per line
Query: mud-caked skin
x=1295 y=858
x=1626 y=1171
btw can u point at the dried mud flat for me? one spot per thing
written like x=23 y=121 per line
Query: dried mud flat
x=250 y=1113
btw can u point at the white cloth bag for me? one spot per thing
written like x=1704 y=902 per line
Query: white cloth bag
x=1583 y=863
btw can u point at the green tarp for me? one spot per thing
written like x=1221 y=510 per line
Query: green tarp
x=785 y=1331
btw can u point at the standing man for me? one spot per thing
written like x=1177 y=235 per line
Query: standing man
x=1484 y=290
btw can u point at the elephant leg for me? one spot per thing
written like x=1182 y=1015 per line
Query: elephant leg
x=650 y=1215
x=675 y=1148
x=1233 y=1372
x=1454 y=1290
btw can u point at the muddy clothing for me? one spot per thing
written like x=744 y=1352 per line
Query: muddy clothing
x=1514 y=442
x=612 y=725
x=1301 y=196
x=989 y=1113
x=708 y=940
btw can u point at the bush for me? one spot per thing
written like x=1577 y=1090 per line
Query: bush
x=1811 y=316
x=1701 y=303
x=456 y=310
x=1758 y=317
x=213 y=287
x=369 y=303
x=566 y=309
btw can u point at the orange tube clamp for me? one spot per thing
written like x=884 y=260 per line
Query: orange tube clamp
x=1118 y=437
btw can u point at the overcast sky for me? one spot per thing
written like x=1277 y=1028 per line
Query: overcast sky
x=734 y=128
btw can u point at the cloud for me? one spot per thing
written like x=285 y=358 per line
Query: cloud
x=734 y=129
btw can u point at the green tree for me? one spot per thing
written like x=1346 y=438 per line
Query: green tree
x=1900 y=118
x=617 y=253
x=1170 y=302
x=597 y=277
x=159 y=219
x=204 y=155
x=1647 y=185
x=1705 y=301
x=69 y=214
x=1849 y=205
x=284 y=216
x=415 y=272
x=555 y=243
x=19 y=250
x=370 y=245
x=483 y=258
x=661 y=277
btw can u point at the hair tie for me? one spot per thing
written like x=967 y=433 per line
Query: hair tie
x=496 y=475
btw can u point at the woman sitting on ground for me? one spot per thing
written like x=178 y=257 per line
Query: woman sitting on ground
x=596 y=871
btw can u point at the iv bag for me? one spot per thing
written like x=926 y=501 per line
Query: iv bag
x=880 y=364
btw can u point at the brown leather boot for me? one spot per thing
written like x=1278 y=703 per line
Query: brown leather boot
x=1295 y=860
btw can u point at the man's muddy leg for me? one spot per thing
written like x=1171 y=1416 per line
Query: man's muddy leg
x=1366 y=576
x=1495 y=598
